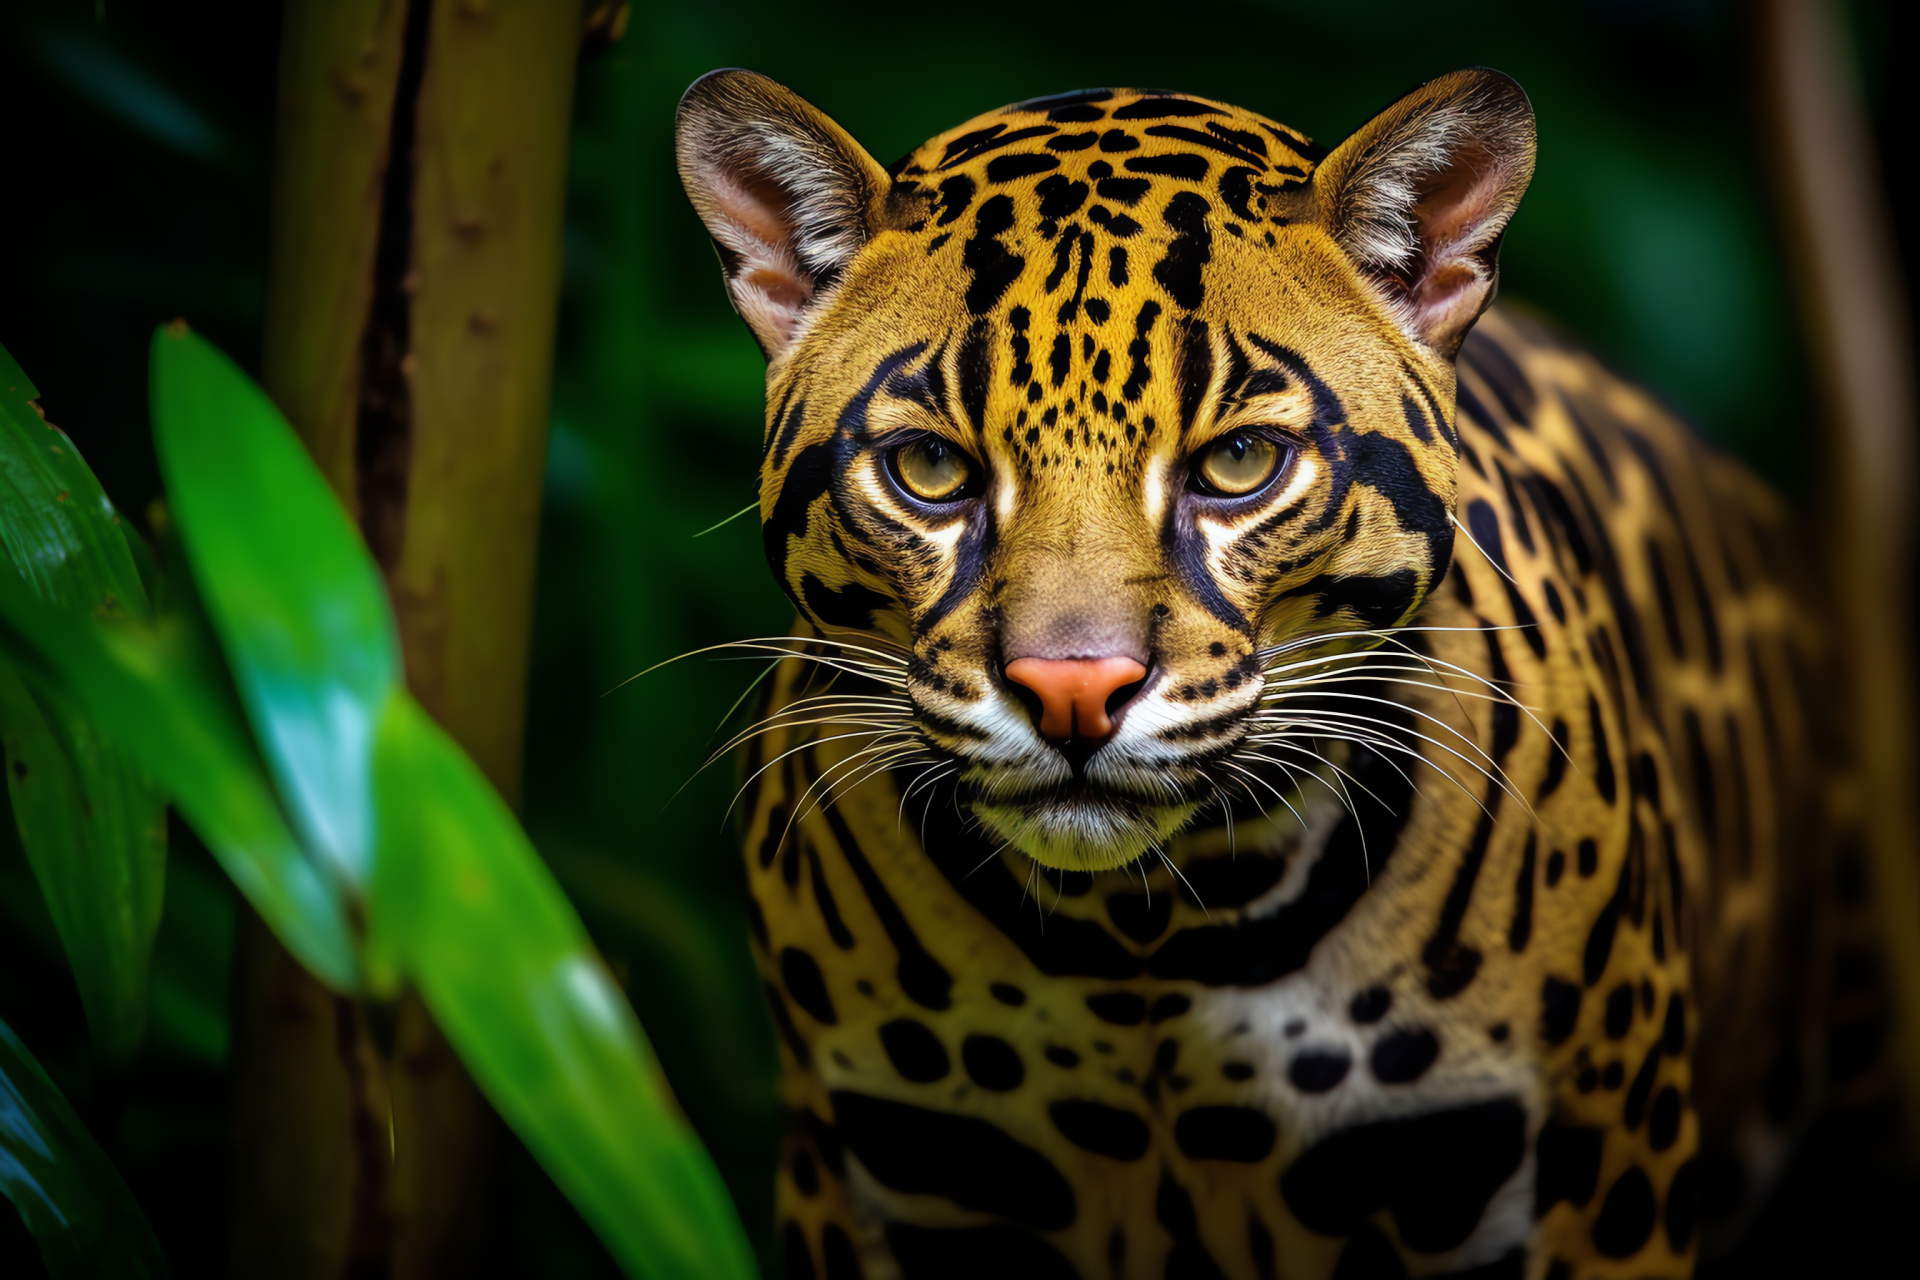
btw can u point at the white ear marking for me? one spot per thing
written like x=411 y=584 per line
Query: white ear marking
x=787 y=196
x=1420 y=196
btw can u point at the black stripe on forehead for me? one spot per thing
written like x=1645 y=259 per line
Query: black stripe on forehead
x=1193 y=370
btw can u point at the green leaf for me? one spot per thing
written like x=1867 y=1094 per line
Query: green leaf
x=464 y=905
x=289 y=587
x=93 y=826
x=160 y=693
x=67 y=1192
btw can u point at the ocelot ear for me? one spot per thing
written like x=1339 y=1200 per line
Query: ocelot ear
x=787 y=195
x=1420 y=196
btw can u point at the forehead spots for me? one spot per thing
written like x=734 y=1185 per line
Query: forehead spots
x=993 y=267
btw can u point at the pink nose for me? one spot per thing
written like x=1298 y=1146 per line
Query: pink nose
x=1073 y=692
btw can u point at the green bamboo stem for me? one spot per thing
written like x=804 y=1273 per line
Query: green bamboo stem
x=408 y=339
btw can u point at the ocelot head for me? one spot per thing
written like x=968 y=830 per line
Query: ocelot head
x=1100 y=410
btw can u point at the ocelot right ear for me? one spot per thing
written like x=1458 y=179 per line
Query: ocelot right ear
x=787 y=195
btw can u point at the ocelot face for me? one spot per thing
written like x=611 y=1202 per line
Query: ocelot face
x=1111 y=415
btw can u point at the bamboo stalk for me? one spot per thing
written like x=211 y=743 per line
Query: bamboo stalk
x=1847 y=277
x=419 y=185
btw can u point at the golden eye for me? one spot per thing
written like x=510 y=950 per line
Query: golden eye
x=932 y=470
x=1236 y=465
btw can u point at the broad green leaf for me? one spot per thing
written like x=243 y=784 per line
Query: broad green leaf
x=158 y=691
x=289 y=587
x=66 y=1191
x=93 y=826
x=463 y=904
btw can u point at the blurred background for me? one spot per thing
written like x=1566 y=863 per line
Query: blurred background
x=137 y=142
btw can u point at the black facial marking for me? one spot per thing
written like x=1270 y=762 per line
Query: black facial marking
x=1071 y=142
x=1117 y=267
x=1158 y=108
x=959 y=1253
x=1126 y=191
x=992 y=138
x=1021 y=165
x=979 y=1168
x=915 y=1052
x=1059 y=197
x=1103 y=1130
x=1193 y=372
x=1190 y=249
x=1240 y=1134
x=1230 y=147
x=1171 y=1005
x=956 y=196
x=1435 y=1173
x=1138 y=351
x=993 y=267
x=1007 y=993
x=1370 y=1006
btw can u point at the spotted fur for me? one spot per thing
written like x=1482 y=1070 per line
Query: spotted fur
x=1463 y=892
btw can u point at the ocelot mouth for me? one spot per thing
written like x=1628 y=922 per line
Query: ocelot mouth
x=1083 y=827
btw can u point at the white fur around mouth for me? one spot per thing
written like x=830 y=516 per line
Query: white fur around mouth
x=1084 y=830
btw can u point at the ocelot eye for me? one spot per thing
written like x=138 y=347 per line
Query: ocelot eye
x=1237 y=464
x=934 y=471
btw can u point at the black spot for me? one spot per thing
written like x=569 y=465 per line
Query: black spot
x=806 y=1175
x=1179 y=164
x=1613 y=1075
x=1522 y=928
x=837 y=1251
x=1626 y=1216
x=1434 y=1173
x=1400 y=1057
x=1683 y=1205
x=992 y=1063
x=1168 y=1006
x=1559 y=1010
x=849 y=607
x=1600 y=938
x=916 y=1053
x=1020 y=165
x=1062 y=1057
x=1140 y=917
x=1237 y=1071
x=1188 y=1259
x=1190 y=249
x=806 y=985
x=1103 y=1130
x=793 y=1243
x=1121 y=1008
x=1318 y=1070
x=1072 y=141
x=1619 y=1011
x=993 y=268
x=1369 y=1255
x=1117 y=267
x=1556 y=867
x=1567 y=1166
x=1370 y=1005
x=1007 y=993
x=1588 y=857
x=1126 y=191
x=1225 y=1133
x=924 y=979
x=1060 y=196
x=1664 y=1125
x=966 y=1253
x=979 y=1168
x=956 y=195
x=1451 y=963
x=1603 y=779
x=1158 y=108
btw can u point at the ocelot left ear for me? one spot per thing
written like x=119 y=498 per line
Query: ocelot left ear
x=788 y=196
x=1420 y=196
